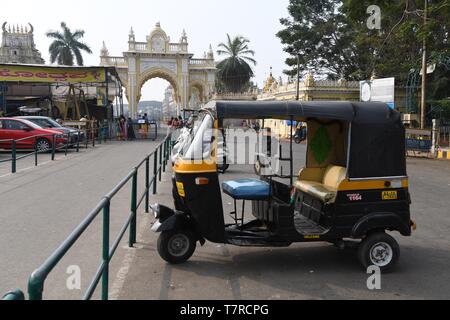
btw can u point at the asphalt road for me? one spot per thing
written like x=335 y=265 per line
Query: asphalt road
x=304 y=271
x=40 y=207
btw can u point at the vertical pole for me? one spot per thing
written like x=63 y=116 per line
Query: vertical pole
x=35 y=155
x=424 y=73
x=93 y=136
x=53 y=147
x=105 y=250
x=14 y=157
x=160 y=163
x=86 y=136
x=133 y=223
x=78 y=141
x=165 y=156
x=291 y=161
x=147 y=185
x=155 y=171
x=298 y=77
x=67 y=143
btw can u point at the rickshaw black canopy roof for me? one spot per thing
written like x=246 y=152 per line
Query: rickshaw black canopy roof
x=377 y=141
x=285 y=110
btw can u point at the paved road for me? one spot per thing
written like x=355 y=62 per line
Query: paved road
x=40 y=207
x=305 y=271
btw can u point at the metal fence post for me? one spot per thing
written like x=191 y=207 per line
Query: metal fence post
x=67 y=143
x=147 y=185
x=86 y=137
x=105 y=250
x=93 y=137
x=14 y=157
x=35 y=287
x=14 y=296
x=160 y=163
x=155 y=171
x=133 y=223
x=165 y=156
x=35 y=155
x=53 y=147
x=78 y=141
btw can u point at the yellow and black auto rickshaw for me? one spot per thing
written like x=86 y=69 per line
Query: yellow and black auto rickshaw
x=352 y=192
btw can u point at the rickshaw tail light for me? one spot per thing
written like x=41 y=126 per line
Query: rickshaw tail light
x=202 y=181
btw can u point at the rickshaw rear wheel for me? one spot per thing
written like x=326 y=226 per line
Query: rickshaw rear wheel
x=176 y=246
x=379 y=249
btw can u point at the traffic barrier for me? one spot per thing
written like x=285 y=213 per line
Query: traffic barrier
x=72 y=140
x=161 y=156
x=443 y=154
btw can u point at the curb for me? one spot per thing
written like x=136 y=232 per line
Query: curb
x=444 y=154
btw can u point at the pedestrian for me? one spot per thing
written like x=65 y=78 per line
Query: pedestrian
x=175 y=123
x=130 y=133
x=180 y=122
x=123 y=128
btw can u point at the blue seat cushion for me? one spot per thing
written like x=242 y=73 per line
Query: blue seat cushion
x=247 y=189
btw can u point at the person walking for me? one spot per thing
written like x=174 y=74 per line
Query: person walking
x=123 y=128
x=131 y=135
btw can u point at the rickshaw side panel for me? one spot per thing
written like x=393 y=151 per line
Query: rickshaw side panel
x=204 y=204
x=359 y=212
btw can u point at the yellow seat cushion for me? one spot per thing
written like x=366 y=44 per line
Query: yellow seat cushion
x=317 y=190
x=333 y=176
x=326 y=190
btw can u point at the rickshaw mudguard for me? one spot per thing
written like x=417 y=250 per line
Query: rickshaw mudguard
x=381 y=221
x=178 y=221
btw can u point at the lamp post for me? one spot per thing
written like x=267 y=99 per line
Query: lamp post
x=298 y=77
x=424 y=74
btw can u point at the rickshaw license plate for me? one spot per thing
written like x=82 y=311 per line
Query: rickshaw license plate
x=390 y=195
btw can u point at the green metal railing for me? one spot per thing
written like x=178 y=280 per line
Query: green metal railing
x=91 y=137
x=161 y=156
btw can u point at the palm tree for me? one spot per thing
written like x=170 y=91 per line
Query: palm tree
x=234 y=73
x=66 y=46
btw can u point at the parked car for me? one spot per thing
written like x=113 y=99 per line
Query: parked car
x=49 y=123
x=28 y=135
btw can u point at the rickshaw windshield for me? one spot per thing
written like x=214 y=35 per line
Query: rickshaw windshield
x=200 y=145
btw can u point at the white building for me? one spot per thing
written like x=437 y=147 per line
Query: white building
x=169 y=103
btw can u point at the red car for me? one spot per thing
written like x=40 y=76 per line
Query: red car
x=20 y=130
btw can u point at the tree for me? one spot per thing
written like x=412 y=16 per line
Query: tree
x=66 y=46
x=317 y=33
x=234 y=73
x=332 y=37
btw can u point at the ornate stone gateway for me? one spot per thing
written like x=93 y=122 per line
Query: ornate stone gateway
x=192 y=79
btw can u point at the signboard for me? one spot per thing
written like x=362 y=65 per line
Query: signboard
x=51 y=75
x=379 y=90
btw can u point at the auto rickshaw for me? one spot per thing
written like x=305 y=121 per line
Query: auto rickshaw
x=352 y=191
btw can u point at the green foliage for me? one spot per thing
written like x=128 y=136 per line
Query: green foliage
x=321 y=145
x=66 y=46
x=234 y=72
x=332 y=37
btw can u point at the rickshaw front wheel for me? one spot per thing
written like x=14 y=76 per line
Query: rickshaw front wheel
x=381 y=250
x=176 y=246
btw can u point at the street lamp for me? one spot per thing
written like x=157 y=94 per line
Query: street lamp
x=298 y=77
x=424 y=73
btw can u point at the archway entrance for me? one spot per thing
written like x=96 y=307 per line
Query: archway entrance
x=158 y=57
x=158 y=100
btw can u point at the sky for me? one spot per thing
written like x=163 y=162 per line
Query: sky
x=206 y=22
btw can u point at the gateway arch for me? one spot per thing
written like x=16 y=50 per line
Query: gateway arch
x=158 y=57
